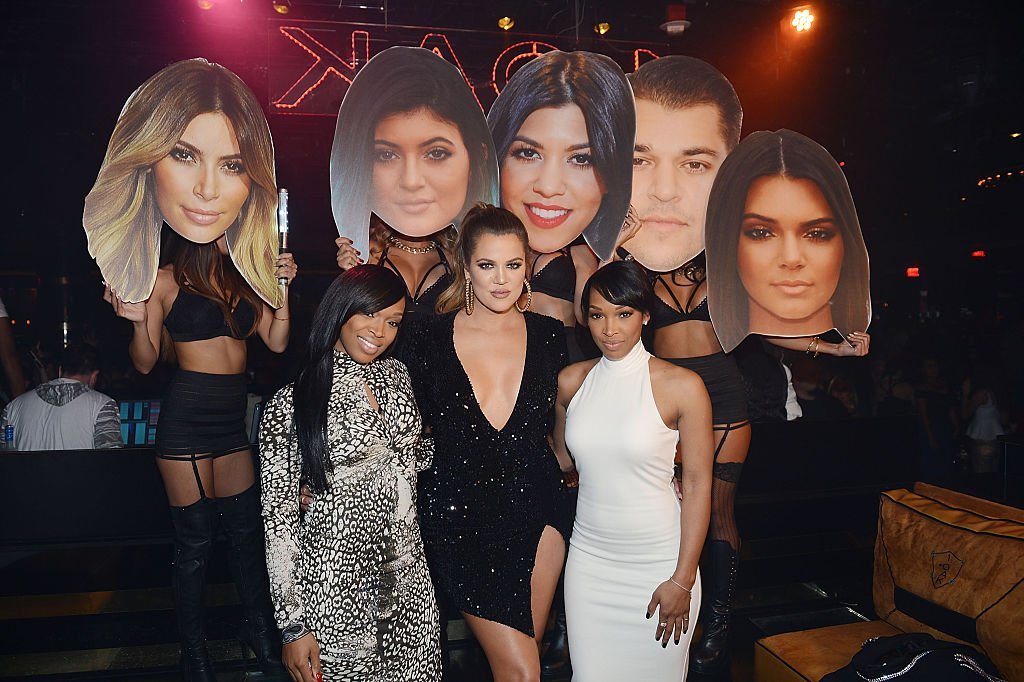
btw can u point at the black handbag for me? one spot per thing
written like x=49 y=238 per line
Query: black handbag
x=915 y=656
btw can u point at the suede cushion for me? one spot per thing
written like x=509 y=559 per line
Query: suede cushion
x=952 y=565
x=812 y=654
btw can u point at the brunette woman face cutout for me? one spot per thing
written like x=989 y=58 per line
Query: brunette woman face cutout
x=789 y=254
x=420 y=172
x=548 y=178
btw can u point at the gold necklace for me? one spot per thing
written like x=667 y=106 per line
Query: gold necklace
x=399 y=244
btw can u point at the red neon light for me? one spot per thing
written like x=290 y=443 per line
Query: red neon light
x=536 y=49
x=980 y=253
x=451 y=57
x=325 y=59
x=650 y=55
x=913 y=272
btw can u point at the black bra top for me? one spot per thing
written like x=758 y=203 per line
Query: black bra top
x=197 y=318
x=422 y=300
x=664 y=315
x=556 y=279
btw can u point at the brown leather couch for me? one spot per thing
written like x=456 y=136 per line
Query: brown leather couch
x=945 y=563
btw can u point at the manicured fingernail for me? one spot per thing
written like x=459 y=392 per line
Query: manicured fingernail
x=664 y=644
x=648 y=616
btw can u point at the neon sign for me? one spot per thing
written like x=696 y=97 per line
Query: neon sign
x=313 y=63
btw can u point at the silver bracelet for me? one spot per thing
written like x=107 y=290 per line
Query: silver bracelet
x=684 y=589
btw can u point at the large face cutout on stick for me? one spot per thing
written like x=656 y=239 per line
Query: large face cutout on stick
x=191 y=148
x=784 y=248
x=411 y=145
x=563 y=128
x=687 y=118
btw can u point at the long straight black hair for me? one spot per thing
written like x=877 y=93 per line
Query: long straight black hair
x=364 y=289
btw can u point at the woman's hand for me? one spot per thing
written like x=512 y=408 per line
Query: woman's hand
x=672 y=604
x=133 y=312
x=285 y=267
x=858 y=347
x=571 y=477
x=305 y=498
x=302 y=659
x=348 y=256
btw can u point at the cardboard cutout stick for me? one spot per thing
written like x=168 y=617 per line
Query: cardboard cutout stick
x=191 y=148
x=411 y=145
x=785 y=254
x=563 y=128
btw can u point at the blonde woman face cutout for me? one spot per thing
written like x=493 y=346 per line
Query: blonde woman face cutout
x=548 y=179
x=202 y=184
x=420 y=172
x=790 y=254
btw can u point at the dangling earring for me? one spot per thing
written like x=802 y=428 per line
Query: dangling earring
x=529 y=297
x=470 y=297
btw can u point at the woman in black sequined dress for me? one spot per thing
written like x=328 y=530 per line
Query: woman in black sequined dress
x=494 y=511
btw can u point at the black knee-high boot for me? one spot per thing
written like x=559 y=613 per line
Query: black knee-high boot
x=243 y=526
x=193 y=539
x=719 y=583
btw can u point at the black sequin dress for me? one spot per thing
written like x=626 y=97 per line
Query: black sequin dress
x=486 y=500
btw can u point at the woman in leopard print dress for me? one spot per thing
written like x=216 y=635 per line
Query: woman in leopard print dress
x=349 y=581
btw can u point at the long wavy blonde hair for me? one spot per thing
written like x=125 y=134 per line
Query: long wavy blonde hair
x=121 y=218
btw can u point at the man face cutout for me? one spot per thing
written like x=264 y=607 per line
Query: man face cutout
x=677 y=155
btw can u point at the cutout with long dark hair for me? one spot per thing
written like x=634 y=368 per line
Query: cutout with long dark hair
x=787 y=154
x=363 y=289
x=597 y=85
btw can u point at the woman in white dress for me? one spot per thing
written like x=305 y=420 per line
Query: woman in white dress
x=634 y=549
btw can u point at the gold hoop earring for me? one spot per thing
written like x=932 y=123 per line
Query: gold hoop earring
x=529 y=297
x=470 y=297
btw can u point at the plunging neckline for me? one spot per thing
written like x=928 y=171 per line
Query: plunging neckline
x=472 y=389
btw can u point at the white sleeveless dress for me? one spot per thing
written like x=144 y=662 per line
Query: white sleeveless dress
x=625 y=540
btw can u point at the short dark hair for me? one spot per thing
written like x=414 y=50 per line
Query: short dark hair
x=678 y=82
x=792 y=155
x=363 y=289
x=621 y=282
x=79 y=360
x=595 y=84
x=480 y=220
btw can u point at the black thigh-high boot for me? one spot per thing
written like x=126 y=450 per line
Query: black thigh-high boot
x=555 y=661
x=240 y=515
x=719 y=585
x=193 y=539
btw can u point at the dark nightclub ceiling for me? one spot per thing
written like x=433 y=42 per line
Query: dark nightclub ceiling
x=920 y=100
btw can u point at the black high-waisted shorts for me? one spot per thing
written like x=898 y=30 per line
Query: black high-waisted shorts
x=724 y=383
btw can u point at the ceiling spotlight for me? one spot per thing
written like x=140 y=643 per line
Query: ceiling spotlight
x=802 y=20
x=675 y=19
x=282 y=6
x=204 y=4
x=602 y=27
x=1015 y=135
x=506 y=23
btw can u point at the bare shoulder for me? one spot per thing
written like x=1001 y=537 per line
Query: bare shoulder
x=165 y=287
x=571 y=377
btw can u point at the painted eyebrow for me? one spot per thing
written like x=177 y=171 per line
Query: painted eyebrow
x=809 y=223
x=195 y=150
x=431 y=141
x=535 y=143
